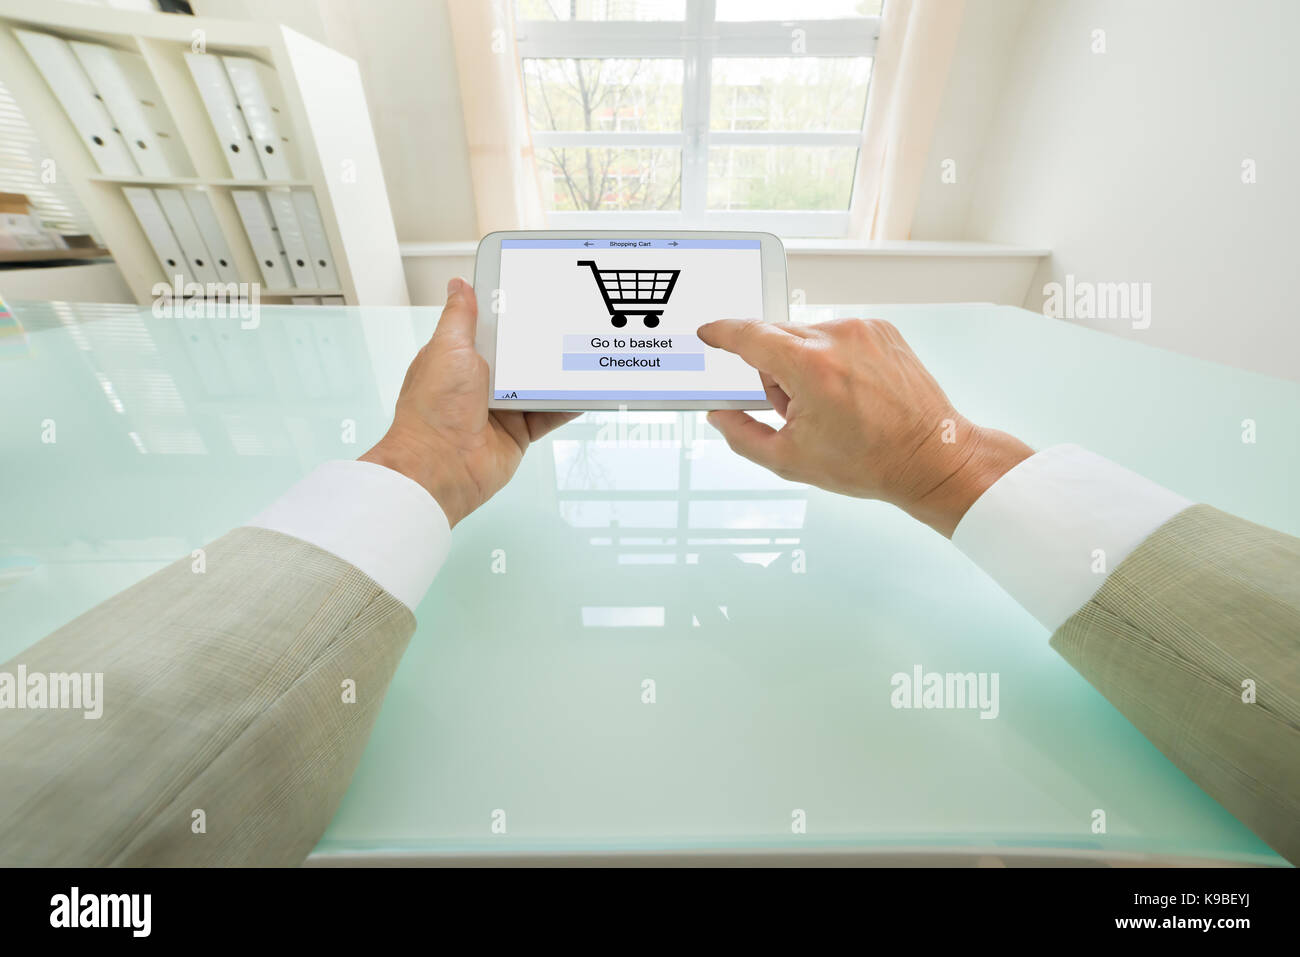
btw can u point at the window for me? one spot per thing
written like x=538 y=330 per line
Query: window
x=721 y=114
x=23 y=164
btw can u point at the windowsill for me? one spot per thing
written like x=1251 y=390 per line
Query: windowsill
x=957 y=249
x=824 y=270
x=417 y=250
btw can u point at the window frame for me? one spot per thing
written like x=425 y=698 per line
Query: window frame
x=696 y=41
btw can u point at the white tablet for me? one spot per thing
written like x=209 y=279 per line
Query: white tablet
x=602 y=319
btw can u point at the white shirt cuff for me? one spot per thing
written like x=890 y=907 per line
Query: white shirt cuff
x=1053 y=528
x=377 y=520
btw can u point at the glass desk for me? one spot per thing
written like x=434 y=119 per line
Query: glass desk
x=770 y=616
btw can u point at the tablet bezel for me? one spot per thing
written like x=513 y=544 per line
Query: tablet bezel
x=487 y=271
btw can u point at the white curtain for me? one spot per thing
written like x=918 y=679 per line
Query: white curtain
x=913 y=57
x=507 y=192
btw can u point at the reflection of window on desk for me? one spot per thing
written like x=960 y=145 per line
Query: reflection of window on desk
x=663 y=488
x=196 y=386
x=130 y=372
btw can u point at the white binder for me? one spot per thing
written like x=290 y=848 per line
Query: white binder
x=291 y=238
x=135 y=104
x=256 y=214
x=336 y=359
x=223 y=109
x=199 y=337
x=201 y=209
x=72 y=88
x=257 y=88
x=186 y=231
x=313 y=233
x=302 y=349
x=158 y=232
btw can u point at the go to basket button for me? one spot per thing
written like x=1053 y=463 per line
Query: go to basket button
x=673 y=361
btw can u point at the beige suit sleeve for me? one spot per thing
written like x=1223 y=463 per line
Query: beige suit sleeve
x=224 y=693
x=1205 y=610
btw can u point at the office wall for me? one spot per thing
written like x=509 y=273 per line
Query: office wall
x=989 y=31
x=1128 y=165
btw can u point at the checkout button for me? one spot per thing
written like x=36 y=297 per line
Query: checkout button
x=669 y=361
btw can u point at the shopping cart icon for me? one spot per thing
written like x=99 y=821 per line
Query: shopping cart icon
x=635 y=288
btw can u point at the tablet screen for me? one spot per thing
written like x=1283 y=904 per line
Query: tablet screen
x=616 y=318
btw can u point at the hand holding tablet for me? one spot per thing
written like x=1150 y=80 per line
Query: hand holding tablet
x=607 y=319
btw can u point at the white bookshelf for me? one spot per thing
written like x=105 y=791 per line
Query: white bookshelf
x=327 y=117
